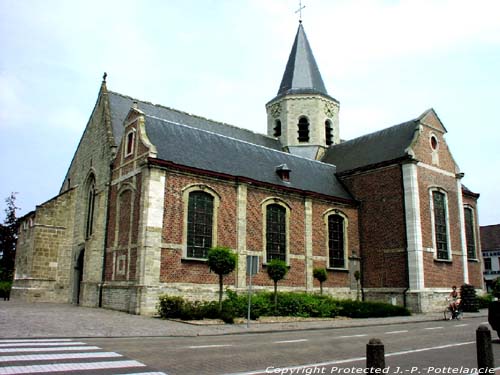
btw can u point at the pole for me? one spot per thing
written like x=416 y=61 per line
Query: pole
x=249 y=299
x=485 y=359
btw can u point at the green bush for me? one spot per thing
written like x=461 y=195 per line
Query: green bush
x=468 y=298
x=484 y=301
x=5 y=287
x=289 y=304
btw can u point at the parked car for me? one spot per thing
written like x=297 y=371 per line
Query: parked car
x=494 y=316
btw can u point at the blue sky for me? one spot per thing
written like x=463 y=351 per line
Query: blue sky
x=385 y=61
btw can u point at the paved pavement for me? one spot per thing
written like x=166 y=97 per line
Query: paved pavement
x=21 y=319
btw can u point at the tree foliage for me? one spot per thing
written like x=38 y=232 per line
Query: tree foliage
x=8 y=239
x=321 y=275
x=277 y=270
x=221 y=261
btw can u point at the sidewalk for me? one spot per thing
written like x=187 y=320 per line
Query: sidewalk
x=21 y=319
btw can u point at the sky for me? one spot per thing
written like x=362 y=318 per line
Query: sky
x=386 y=61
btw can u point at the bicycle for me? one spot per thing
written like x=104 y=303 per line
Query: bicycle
x=450 y=313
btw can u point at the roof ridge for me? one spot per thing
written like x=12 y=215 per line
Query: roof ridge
x=240 y=140
x=377 y=131
x=190 y=114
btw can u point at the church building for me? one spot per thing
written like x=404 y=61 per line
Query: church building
x=151 y=189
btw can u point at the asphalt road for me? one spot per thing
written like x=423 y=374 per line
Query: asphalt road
x=437 y=347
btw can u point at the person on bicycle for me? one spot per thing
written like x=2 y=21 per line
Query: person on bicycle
x=454 y=297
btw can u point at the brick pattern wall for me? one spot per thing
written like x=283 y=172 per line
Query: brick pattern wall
x=475 y=266
x=382 y=226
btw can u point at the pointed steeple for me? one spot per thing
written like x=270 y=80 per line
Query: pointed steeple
x=301 y=74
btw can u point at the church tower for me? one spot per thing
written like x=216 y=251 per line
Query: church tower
x=302 y=115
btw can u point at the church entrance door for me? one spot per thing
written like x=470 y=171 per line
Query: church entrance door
x=78 y=277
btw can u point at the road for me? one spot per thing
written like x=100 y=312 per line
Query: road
x=430 y=347
x=436 y=347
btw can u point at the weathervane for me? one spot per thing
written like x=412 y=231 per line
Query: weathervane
x=299 y=11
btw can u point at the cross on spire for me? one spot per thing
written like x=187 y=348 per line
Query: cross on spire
x=299 y=11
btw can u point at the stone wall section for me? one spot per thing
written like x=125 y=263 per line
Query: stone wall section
x=44 y=263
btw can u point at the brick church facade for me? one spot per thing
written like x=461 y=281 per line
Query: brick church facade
x=150 y=189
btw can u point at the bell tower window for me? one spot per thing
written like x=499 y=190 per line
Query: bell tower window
x=303 y=130
x=277 y=128
x=328 y=133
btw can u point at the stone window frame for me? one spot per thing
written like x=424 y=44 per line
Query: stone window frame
x=474 y=232
x=432 y=190
x=186 y=191
x=129 y=146
x=264 y=204
x=326 y=215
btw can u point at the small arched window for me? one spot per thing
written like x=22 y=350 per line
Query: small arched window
x=328 y=133
x=277 y=128
x=303 y=129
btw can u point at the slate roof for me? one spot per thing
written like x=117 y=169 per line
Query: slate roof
x=120 y=105
x=490 y=237
x=205 y=150
x=301 y=75
x=372 y=149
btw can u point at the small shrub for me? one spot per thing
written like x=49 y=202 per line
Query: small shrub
x=170 y=307
x=5 y=287
x=321 y=275
x=484 y=301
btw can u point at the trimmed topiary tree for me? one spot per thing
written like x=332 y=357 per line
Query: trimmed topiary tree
x=276 y=269
x=468 y=298
x=221 y=261
x=321 y=275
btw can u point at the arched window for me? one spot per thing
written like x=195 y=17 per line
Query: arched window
x=440 y=218
x=129 y=149
x=275 y=232
x=277 y=128
x=336 y=243
x=303 y=131
x=470 y=233
x=89 y=225
x=328 y=133
x=199 y=224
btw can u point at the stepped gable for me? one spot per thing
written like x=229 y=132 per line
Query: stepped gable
x=121 y=104
x=229 y=156
x=373 y=149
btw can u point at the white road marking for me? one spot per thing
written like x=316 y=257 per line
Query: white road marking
x=52 y=349
x=460 y=325
x=208 y=346
x=10 y=345
x=432 y=328
x=289 y=341
x=346 y=337
x=355 y=359
x=396 y=332
x=47 y=357
x=69 y=367
x=34 y=340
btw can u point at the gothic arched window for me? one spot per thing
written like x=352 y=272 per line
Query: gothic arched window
x=470 y=233
x=303 y=130
x=89 y=225
x=199 y=224
x=440 y=218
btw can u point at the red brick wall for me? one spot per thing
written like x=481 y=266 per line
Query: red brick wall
x=382 y=226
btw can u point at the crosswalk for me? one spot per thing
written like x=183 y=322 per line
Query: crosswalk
x=65 y=356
